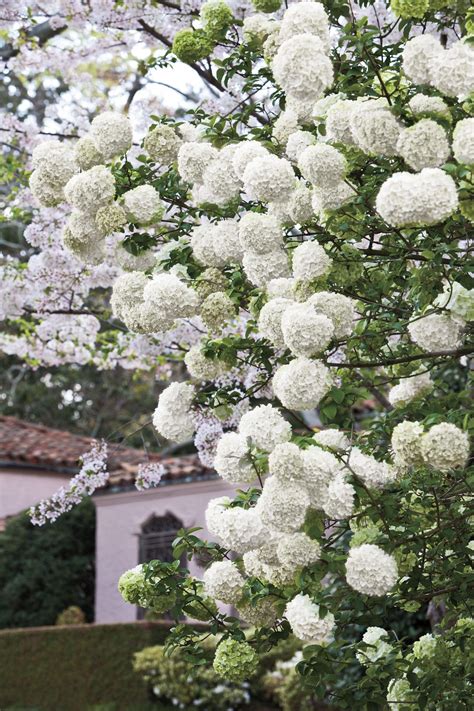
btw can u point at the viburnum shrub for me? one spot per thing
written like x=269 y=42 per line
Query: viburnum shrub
x=303 y=253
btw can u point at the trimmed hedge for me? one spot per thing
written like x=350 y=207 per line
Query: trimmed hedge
x=75 y=668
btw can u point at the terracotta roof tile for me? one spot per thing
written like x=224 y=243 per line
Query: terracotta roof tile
x=56 y=450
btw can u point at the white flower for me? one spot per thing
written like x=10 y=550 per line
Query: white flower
x=282 y=505
x=306 y=623
x=425 y=647
x=227 y=242
x=299 y=206
x=458 y=300
x=223 y=581
x=399 y=692
x=423 y=105
x=205 y=245
x=82 y=226
x=370 y=570
x=127 y=292
x=306 y=17
x=245 y=152
x=320 y=468
x=90 y=190
x=406 y=444
x=131 y=262
x=375 y=130
x=281 y=287
x=339 y=501
x=219 y=178
x=338 y=308
x=305 y=332
x=338 y=122
x=232 y=461
x=286 y=462
x=260 y=270
x=262 y=613
x=322 y=165
x=111 y=133
x=214 y=515
x=55 y=161
x=297 y=142
x=269 y=320
x=256 y=28
x=110 y=218
x=265 y=427
x=424 y=145
x=463 y=141
x=417 y=57
x=331 y=198
x=193 y=158
x=332 y=439
x=173 y=417
x=44 y=191
x=378 y=648
x=171 y=298
x=285 y=125
x=260 y=233
x=143 y=205
x=241 y=530
x=297 y=550
x=452 y=70
x=437 y=332
x=86 y=154
x=162 y=144
x=310 y=261
x=268 y=178
x=200 y=367
x=301 y=68
x=301 y=384
x=409 y=389
x=445 y=447
x=371 y=472
x=425 y=198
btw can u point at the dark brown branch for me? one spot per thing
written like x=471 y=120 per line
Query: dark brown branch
x=403 y=359
x=41 y=33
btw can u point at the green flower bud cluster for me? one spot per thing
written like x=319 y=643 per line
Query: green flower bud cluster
x=135 y=589
x=410 y=9
x=191 y=45
x=235 y=661
x=216 y=17
x=110 y=218
x=216 y=310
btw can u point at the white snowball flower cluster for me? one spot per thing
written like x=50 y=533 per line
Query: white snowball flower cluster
x=302 y=68
x=214 y=515
x=450 y=71
x=232 y=461
x=282 y=505
x=86 y=154
x=424 y=105
x=54 y=165
x=378 y=647
x=143 y=205
x=131 y=262
x=374 y=128
x=372 y=473
x=338 y=122
x=463 y=141
x=239 y=529
x=286 y=124
x=332 y=198
x=299 y=205
x=90 y=190
x=297 y=142
x=424 y=145
x=310 y=261
x=217 y=244
x=445 y=447
x=162 y=144
x=322 y=165
x=410 y=389
x=127 y=293
x=305 y=621
x=337 y=307
x=220 y=182
x=200 y=367
x=260 y=233
x=332 y=439
x=297 y=550
x=437 y=332
x=264 y=427
x=458 y=300
x=302 y=383
x=269 y=320
x=406 y=444
x=421 y=199
x=370 y=570
x=260 y=271
x=267 y=178
x=171 y=298
x=282 y=287
x=339 y=501
x=286 y=462
x=244 y=153
x=305 y=332
x=111 y=133
x=223 y=581
x=193 y=158
x=320 y=469
x=306 y=17
x=173 y=417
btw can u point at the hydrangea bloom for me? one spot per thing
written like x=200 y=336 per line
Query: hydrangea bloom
x=370 y=570
x=406 y=443
x=260 y=233
x=265 y=427
x=269 y=320
x=305 y=332
x=232 y=461
x=409 y=389
x=173 y=417
x=297 y=550
x=162 y=144
x=463 y=141
x=332 y=439
x=437 y=332
x=260 y=271
x=268 y=178
x=369 y=470
x=193 y=159
x=282 y=504
x=310 y=261
x=286 y=462
x=339 y=501
x=111 y=133
x=301 y=384
x=244 y=153
x=378 y=647
x=143 y=205
x=424 y=145
x=306 y=17
x=301 y=67
x=223 y=581
x=306 y=622
x=445 y=447
x=90 y=190
x=418 y=56
x=338 y=308
x=322 y=165
x=235 y=660
x=375 y=129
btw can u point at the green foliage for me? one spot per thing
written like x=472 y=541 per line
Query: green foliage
x=266 y=5
x=72 y=615
x=75 y=668
x=44 y=570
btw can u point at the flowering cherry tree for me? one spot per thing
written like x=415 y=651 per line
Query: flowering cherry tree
x=284 y=260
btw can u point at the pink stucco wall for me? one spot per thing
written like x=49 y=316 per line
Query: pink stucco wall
x=119 y=520
x=22 y=488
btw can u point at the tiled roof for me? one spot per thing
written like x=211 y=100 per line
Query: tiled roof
x=31 y=445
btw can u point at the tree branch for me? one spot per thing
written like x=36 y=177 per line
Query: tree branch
x=41 y=32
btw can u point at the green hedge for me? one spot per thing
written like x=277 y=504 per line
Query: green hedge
x=75 y=668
